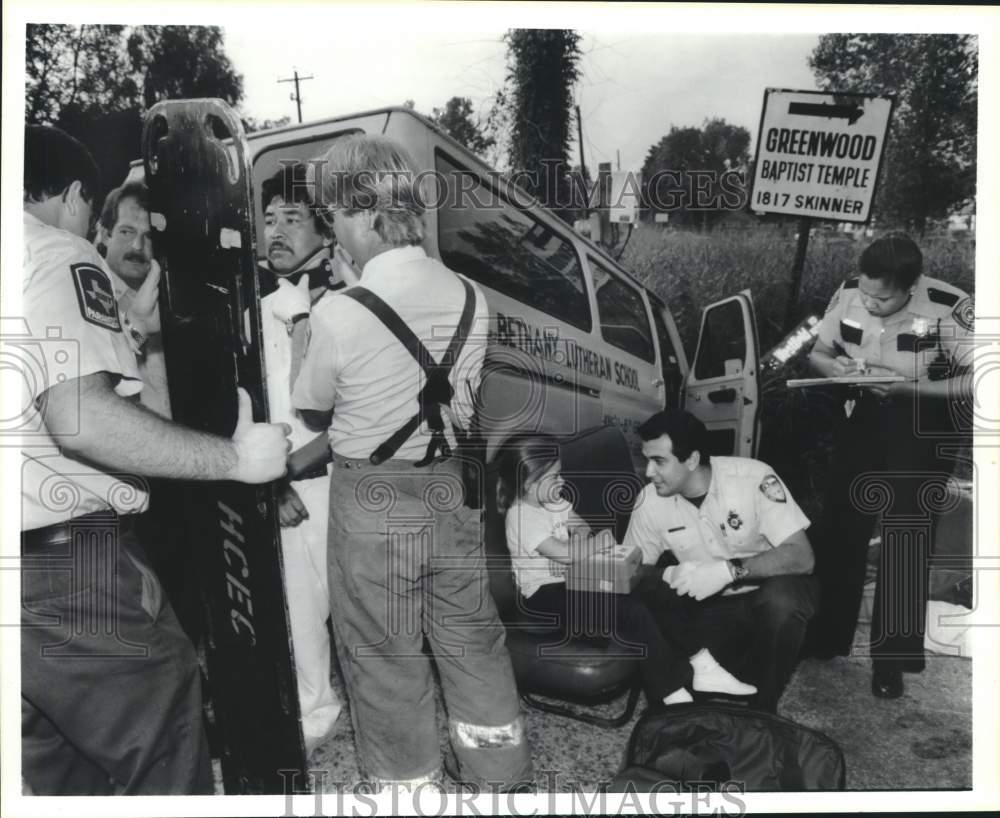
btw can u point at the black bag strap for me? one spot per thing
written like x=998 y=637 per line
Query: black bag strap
x=437 y=390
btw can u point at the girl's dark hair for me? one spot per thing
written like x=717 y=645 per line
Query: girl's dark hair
x=523 y=458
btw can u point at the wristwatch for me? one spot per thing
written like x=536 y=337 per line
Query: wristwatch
x=738 y=570
x=136 y=339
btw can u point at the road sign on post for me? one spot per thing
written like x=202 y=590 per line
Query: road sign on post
x=818 y=154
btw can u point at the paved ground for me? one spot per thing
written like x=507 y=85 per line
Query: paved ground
x=921 y=741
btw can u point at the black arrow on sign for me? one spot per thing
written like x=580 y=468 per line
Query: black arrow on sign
x=852 y=113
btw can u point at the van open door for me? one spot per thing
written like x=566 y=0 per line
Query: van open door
x=721 y=387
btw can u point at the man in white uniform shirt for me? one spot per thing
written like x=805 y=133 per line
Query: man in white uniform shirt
x=406 y=555
x=110 y=690
x=300 y=275
x=125 y=239
x=742 y=555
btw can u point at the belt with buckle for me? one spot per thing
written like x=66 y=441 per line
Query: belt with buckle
x=39 y=540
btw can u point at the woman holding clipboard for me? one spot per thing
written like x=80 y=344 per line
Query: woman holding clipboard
x=890 y=322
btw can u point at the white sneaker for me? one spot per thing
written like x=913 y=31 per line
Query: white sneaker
x=679 y=696
x=711 y=677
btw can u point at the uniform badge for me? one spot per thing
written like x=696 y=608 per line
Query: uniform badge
x=735 y=523
x=919 y=326
x=95 y=295
x=965 y=313
x=772 y=489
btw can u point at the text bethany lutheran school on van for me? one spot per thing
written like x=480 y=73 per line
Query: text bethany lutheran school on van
x=545 y=343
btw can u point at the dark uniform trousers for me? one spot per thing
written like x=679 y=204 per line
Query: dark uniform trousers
x=110 y=687
x=886 y=468
x=756 y=635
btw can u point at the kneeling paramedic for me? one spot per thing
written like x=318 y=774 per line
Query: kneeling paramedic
x=397 y=356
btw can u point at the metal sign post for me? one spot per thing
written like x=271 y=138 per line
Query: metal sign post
x=818 y=157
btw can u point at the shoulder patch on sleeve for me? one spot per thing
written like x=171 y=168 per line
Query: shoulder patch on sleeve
x=965 y=313
x=95 y=296
x=772 y=489
x=851 y=283
x=942 y=296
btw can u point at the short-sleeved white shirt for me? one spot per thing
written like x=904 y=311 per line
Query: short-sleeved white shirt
x=937 y=319
x=359 y=367
x=527 y=527
x=746 y=511
x=73 y=330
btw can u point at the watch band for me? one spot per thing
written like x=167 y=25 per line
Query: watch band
x=137 y=340
x=738 y=570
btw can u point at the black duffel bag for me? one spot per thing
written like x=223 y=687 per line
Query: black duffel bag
x=707 y=746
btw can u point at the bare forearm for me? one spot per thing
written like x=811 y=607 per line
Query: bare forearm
x=118 y=434
x=791 y=558
x=311 y=456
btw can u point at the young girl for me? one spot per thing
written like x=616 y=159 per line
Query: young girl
x=544 y=535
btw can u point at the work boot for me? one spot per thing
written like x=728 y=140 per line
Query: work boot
x=887 y=681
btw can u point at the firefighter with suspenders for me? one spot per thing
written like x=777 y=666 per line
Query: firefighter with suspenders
x=392 y=365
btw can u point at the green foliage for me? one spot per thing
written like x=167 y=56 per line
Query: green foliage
x=91 y=69
x=717 y=146
x=77 y=69
x=457 y=120
x=542 y=68
x=930 y=161
x=690 y=270
x=251 y=124
x=96 y=82
x=182 y=62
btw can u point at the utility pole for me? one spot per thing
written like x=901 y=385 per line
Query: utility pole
x=296 y=96
x=618 y=159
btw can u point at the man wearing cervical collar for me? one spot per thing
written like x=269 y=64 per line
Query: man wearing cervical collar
x=301 y=271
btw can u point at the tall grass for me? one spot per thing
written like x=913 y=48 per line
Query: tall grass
x=690 y=270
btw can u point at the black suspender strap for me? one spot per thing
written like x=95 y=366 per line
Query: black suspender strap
x=437 y=391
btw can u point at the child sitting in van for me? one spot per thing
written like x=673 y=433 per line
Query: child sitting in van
x=544 y=535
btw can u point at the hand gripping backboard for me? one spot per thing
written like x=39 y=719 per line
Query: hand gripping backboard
x=197 y=167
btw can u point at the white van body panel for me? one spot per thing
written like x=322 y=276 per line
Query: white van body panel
x=545 y=373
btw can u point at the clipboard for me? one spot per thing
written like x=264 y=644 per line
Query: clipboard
x=850 y=380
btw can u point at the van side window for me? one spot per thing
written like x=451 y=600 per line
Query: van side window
x=671 y=366
x=483 y=236
x=722 y=339
x=624 y=323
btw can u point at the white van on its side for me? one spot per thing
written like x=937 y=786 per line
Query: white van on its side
x=575 y=341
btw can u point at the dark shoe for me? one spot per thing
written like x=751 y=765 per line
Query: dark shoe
x=887 y=683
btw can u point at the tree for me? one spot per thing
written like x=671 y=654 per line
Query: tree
x=542 y=68
x=180 y=62
x=671 y=173
x=96 y=82
x=456 y=119
x=251 y=124
x=76 y=67
x=930 y=160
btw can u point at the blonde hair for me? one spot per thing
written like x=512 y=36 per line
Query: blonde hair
x=370 y=172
